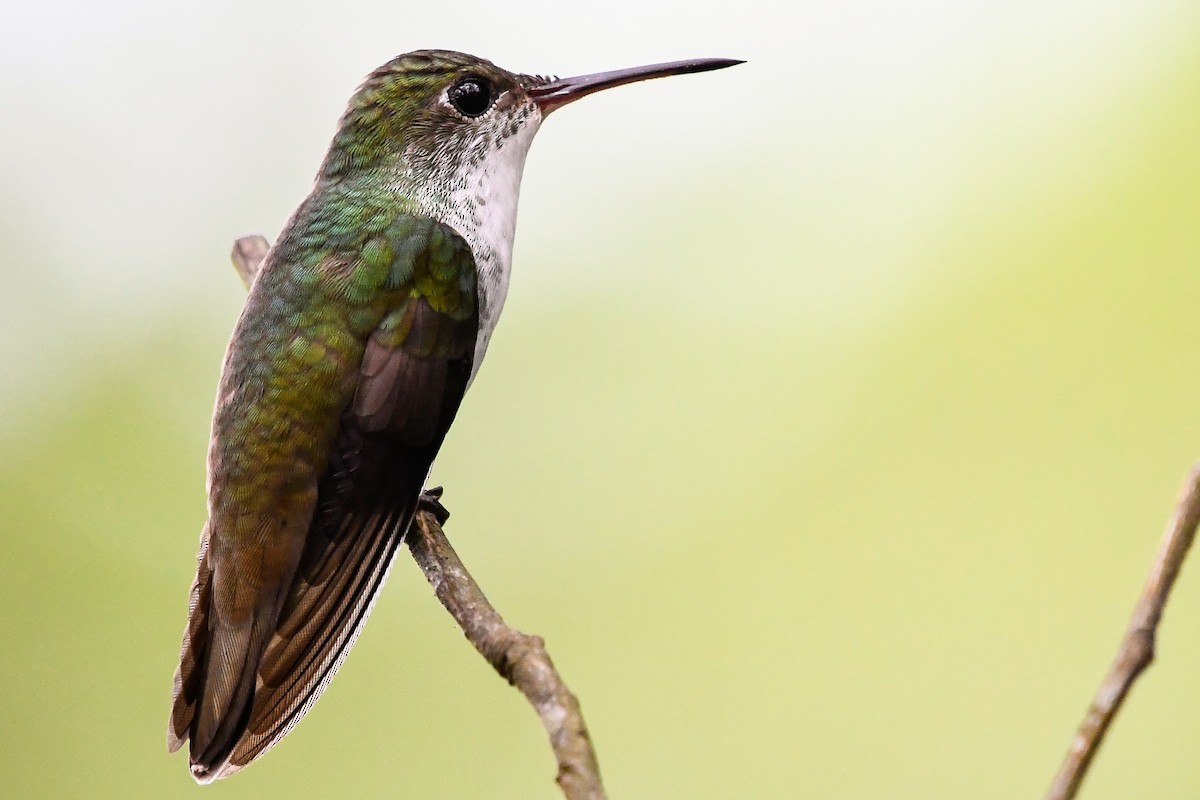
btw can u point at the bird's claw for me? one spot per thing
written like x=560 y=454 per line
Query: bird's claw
x=431 y=503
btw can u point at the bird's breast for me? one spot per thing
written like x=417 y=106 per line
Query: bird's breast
x=479 y=202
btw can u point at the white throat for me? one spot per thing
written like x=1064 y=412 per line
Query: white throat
x=479 y=201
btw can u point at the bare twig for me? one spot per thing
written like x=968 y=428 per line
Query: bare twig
x=247 y=256
x=519 y=658
x=1137 y=648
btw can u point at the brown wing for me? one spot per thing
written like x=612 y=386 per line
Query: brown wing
x=239 y=690
x=402 y=409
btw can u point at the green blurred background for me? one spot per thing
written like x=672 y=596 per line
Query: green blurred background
x=837 y=409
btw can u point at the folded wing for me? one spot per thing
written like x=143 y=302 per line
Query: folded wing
x=241 y=687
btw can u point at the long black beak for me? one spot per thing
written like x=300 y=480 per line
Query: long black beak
x=561 y=91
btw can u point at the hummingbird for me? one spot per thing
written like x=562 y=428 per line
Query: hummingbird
x=363 y=328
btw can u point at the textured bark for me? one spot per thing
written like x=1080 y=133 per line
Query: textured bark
x=520 y=659
x=1137 y=647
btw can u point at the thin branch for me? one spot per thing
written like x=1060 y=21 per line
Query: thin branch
x=519 y=658
x=1137 y=648
x=247 y=256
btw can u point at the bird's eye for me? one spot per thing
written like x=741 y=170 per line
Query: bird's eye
x=471 y=96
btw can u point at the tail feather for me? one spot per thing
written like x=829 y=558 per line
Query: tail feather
x=287 y=702
x=241 y=688
x=193 y=656
x=232 y=666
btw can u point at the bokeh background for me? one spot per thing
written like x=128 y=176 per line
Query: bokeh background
x=838 y=405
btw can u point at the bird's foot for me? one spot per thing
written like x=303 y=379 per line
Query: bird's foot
x=431 y=502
